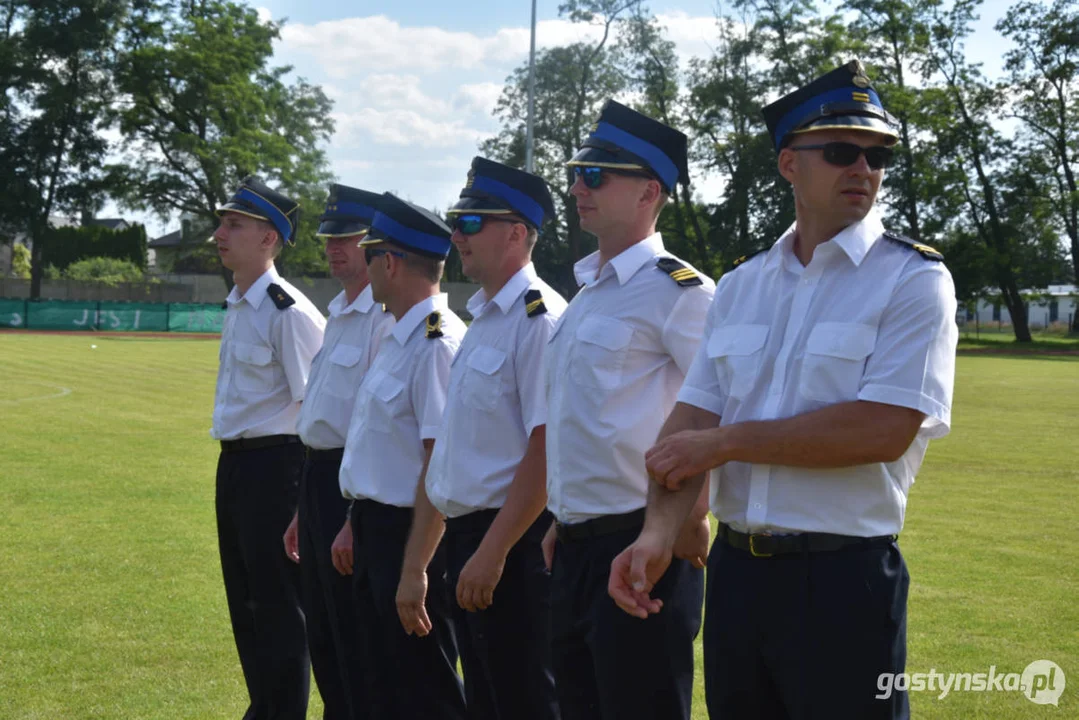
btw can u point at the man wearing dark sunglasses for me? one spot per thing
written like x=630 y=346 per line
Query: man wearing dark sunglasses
x=614 y=364
x=487 y=475
x=827 y=367
x=356 y=329
x=408 y=635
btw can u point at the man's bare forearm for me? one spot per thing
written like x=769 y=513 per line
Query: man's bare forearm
x=843 y=435
x=668 y=511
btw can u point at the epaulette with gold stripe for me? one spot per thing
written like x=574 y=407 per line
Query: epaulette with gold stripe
x=534 y=303
x=434 y=325
x=925 y=251
x=744 y=258
x=681 y=274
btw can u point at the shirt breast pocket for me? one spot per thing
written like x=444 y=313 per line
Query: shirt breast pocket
x=482 y=383
x=600 y=352
x=835 y=361
x=342 y=362
x=254 y=367
x=388 y=393
x=735 y=351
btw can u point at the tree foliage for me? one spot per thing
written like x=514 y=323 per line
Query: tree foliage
x=202 y=107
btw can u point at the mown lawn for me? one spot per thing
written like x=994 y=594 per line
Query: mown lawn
x=111 y=603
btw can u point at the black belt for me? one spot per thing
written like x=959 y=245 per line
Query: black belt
x=257 y=443
x=598 y=527
x=476 y=521
x=762 y=545
x=331 y=454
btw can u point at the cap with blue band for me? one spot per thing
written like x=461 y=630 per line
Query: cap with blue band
x=349 y=211
x=409 y=226
x=625 y=138
x=255 y=199
x=842 y=99
x=659 y=162
x=494 y=188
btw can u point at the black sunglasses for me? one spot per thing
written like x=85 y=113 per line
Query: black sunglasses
x=844 y=154
x=593 y=176
x=370 y=253
x=472 y=224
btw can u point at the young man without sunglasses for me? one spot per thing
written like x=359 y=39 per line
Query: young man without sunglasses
x=827 y=366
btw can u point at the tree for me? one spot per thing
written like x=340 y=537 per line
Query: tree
x=20 y=261
x=55 y=65
x=974 y=151
x=1044 y=71
x=201 y=109
x=652 y=69
x=895 y=34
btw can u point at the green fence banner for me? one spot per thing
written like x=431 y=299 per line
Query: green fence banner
x=109 y=316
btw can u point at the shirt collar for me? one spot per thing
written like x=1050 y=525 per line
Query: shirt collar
x=854 y=240
x=625 y=264
x=408 y=322
x=363 y=303
x=257 y=292
x=507 y=296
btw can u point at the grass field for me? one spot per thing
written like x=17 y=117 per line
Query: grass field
x=111 y=603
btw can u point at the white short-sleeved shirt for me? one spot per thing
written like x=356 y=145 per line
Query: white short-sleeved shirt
x=264 y=361
x=353 y=336
x=399 y=405
x=614 y=365
x=868 y=319
x=497 y=397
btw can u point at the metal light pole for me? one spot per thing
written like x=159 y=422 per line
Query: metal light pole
x=529 y=140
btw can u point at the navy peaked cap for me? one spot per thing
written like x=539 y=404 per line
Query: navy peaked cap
x=494 y=188
x=349 y=211
x=624 y=138
x=843 y=99
x=256 y=199
x=410 y=226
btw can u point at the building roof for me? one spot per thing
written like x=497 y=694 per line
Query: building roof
x=110 y=223
x=172 y=239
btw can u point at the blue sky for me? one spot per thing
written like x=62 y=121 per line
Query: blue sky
x=415 y=81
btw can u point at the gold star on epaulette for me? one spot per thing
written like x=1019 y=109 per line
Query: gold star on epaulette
x=434 y=325
x=534 y=303
x=280 y=298
x=684 y=276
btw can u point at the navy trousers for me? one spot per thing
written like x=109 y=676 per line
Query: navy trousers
x=413 y=678
x=505 y=649
x=805 y=635
x=608 y=664
x=256 y=497
x=333 y=637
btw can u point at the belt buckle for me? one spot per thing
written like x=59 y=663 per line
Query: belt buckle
x=753 y=545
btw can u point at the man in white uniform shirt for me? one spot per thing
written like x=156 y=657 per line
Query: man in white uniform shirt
x=488 y=471
x=614 y=365
x=356 y=329
x=827 y=367
x=397 y=413
x=270 y=334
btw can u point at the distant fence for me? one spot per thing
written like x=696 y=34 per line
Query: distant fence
x=63 y=289
x=110 y=316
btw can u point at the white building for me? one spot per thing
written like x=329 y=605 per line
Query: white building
x=1055 y=305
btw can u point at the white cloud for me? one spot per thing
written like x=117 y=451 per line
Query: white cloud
x=264 y=14
x=477 y=97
